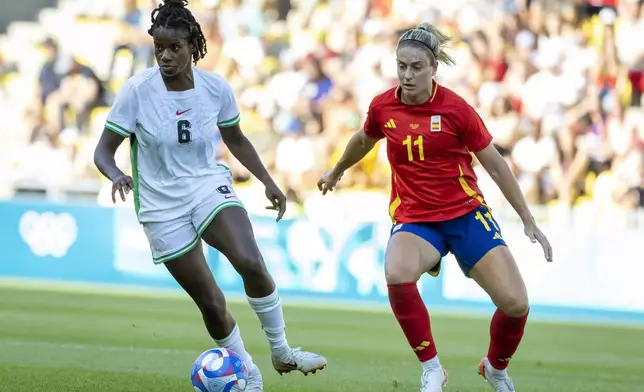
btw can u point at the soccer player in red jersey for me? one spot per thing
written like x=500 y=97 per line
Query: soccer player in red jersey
x=437 y=207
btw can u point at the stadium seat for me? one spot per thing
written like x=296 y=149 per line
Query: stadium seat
x=589 y=184
x=97 y=120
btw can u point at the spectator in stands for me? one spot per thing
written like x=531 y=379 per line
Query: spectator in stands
x=209 y=20
x=133 y=38
x=317 y=88
x=503 y=123
x=6 y=68
x=50 y=73
x=80 y=91
x=306 y=80
x=49 y=79
x=629 y=50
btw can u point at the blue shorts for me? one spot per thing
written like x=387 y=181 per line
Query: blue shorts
x=468 y=237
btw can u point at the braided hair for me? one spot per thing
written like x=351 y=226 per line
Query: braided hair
x=173 y=14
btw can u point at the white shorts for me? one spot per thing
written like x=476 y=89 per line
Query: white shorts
x=176 y=237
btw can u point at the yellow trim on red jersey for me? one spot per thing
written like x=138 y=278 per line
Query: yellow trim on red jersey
x=435 y=86
x=468 y=190
x=431 y=99
x=393 y=207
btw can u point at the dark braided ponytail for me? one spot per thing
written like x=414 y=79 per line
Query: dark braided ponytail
x=173 y=14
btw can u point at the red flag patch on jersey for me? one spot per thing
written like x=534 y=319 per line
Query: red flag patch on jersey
x=435 y=123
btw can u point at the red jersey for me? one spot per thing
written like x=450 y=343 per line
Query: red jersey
x=429 y=146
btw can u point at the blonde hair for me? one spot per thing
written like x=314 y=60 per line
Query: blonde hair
x=432 y=38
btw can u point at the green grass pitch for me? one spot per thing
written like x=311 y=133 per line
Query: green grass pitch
x=79 y=341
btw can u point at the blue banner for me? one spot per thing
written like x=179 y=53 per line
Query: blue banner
x=307 y=258
x=57 y=242
x=331 y=260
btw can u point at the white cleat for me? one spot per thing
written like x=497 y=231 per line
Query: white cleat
x=498 y=379
x=433 y=380
x=296 y=359
x=254 y=383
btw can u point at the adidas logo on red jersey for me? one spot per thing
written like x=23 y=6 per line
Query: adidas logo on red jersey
x=390 y=124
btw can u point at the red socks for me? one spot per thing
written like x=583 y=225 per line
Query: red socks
x=410 y=311
x=412 y=315
x=505 y=335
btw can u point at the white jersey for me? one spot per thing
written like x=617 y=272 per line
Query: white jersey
x=172 y=135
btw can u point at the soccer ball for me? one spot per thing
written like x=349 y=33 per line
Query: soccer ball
x=219 y=370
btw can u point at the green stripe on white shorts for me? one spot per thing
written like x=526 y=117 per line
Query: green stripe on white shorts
x=202 y=227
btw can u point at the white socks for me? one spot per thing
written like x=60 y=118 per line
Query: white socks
x=269 y=311
x=235 y=343
x=431 y=364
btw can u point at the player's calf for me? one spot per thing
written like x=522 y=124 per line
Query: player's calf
x=219 y=322
x=506 y=330
x=410 y=254
x=232 y=234
x=505 y=336
x=413 y=317
x=192 y=273
x=497 y=273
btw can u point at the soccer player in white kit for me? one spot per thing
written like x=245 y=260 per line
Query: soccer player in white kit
x=170 y=114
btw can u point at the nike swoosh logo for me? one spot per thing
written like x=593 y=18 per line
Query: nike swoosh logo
x=179 y=113
x=228 y=197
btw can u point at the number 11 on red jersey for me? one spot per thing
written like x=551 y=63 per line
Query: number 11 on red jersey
x=410 y=147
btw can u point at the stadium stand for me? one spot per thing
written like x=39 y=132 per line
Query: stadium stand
x=559 y=84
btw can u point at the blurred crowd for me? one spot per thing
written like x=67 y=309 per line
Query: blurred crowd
x=558 y=83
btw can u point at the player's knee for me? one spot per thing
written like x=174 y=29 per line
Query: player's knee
x=515 y=306
x=396 y=273
x=408 y=257
x=250 y=265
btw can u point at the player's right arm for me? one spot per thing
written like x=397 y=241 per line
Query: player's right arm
x=120 y=122
x=359 y=145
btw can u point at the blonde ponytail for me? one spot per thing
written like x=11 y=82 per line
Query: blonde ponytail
x=431 y=37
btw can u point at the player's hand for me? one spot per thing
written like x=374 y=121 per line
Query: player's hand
x=123 y=185
x=533 y=232
x=328 y=181
x=277 y=199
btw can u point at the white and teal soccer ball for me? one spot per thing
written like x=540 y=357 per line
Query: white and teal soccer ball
x=219 y=370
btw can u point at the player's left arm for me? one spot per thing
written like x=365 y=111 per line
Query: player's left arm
x=500 y=172
x=242 y=149
x=478 y=139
